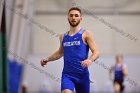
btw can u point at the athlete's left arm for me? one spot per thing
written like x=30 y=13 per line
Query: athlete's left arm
x=89 y=40
x=125 y=70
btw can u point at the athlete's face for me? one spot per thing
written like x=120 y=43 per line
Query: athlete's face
x=74 y=18
x=119 y=59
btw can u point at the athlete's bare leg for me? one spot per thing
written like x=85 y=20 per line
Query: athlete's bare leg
x=67 y=91
x=117 y=88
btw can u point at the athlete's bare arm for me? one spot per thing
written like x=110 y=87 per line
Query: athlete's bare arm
x=89 y=40
x=92 y=45
x=111 y=72
x=125 y=70
x=58 y=54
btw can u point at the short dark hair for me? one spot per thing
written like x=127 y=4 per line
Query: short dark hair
x=74 y=8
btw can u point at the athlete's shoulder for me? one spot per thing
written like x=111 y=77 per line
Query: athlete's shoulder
x=88 y=33
x=61 y=36
x=124 y=65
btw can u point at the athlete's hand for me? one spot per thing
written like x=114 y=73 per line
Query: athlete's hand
x=86 y=63
x=43 y=61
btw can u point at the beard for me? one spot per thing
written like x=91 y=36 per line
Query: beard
x=74 y=24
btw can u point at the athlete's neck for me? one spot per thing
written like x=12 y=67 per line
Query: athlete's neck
x=74 y=30
x=119 y=62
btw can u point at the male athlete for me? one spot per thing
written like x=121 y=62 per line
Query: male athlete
x=74 y=46
x=120 y=71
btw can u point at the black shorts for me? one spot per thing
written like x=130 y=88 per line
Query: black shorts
x=120 y=83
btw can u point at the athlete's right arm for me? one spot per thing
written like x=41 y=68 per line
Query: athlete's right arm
x=56 y=55
x=111 y=72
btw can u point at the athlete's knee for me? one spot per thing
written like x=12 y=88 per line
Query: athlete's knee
x=117 y=88
x=67 y=91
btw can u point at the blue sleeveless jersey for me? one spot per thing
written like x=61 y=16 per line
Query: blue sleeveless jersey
x=75 y=51
x=119 y=72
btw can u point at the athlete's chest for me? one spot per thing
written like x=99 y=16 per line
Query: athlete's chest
x=71 y=41
x=76 y=40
